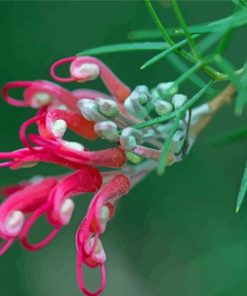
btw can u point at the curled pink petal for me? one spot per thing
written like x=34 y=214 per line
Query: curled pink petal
x=80 y=277
x=29 y=223
x=15 y=84
x=116 y=87
x=59 y=63
x=112 y=157
x=88 y=179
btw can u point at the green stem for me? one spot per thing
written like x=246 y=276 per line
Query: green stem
x=167 y=145
x=187 y=34
x=158 y=23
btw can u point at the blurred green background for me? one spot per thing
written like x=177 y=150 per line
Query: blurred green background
x=172 y=235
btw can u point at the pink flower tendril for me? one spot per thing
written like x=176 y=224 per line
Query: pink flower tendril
x=59 y=207
x=90 y=251
x=87 y=68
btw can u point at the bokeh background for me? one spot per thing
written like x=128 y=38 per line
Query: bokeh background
x=172 y=235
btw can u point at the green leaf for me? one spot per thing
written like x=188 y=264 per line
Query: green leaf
x=181 y=67
x=228 y=138
x=241 y=99
x=236 y=20
x=158 y=23
x=228 y=68
x=187 y=105
x=208 y=41
x=183 y=24
x=149 y=34
x=243 y=190
x=125 y=47
x=165 y=53
x=167 y=145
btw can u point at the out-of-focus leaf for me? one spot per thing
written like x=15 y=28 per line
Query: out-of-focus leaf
x=228 y=138
x=167 y=145
x=241 y=99
x=208 y=41
x=125 y=47
x=236 y=20
x=163 y=54
x=226 y=67
x=146 y=35
x=242 y=191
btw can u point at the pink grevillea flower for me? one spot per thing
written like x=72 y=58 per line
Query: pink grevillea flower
x=118 y=118
x=85 y=68
x=59 y=206
x=89 y=247
x=22 y=201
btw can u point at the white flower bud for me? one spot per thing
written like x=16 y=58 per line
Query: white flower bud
x=90 y=70
x=58 y=128
x=15 y=222
x=107 y=130
x=166 y=89
x=179 y=100
x=108 y=108
x=41 y=99
x=162 y=107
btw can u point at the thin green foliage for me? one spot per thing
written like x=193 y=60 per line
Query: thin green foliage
x=160 y=26
x=226 y=66
x=183 y=24
x=167 y=145
x=165 y=53
x=125 y=47
x=243 y=190
x=229 y=137
x=241 y=99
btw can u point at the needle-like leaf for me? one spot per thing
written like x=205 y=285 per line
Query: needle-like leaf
x=125 y=47
x=243 y=190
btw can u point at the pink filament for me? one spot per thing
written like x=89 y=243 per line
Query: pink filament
x=59 y=63
x=29 y=223
x=15 y=84
x=80 y=278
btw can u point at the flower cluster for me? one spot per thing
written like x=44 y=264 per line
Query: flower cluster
x=117 y=117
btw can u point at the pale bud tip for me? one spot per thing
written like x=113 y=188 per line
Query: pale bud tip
x=15 y=222
x=58 y=128
x=66 y=210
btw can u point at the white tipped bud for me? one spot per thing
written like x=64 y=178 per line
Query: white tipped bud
x=15 y=222
x=108 y=108
x=73 y=146
x=162 y=107
x=179 y=100
x=104 y=217
x=129 y=138
x=66 y=210
x=58 y=128
x=107 y=130
x=178 y=141
x=41 y=99
x=142 y=89
x=166 y=89
x=91 y=70
x=88 y=109
x=134 y=107
x=104 y=214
